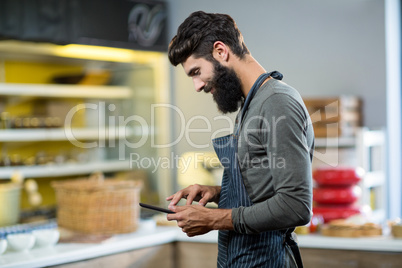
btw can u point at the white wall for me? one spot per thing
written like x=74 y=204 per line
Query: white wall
x=323 y=48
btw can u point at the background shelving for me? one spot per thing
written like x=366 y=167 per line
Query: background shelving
x=28 y=89
x=65 y=91
x=334 y=142
x=366 y=150
x=62 y=134
x=62 y=170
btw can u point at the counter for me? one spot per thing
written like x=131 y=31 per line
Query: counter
x=149 y=235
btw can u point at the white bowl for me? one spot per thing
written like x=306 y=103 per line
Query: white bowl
x=3 y=245
x=46 y=237
x=20 y=242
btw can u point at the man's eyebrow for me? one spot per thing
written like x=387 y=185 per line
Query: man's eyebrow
x=191 y=72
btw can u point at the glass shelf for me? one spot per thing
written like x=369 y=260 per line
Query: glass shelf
x=61 y=134
x=59 y=170
x=65 y=91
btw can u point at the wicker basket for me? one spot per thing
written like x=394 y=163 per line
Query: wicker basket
x=97 y=206
x=396 y=230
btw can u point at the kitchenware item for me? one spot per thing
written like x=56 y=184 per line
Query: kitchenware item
x=396 y=231
x=396 y=227
x=46 y=237
x=337 y=176
x=9 y=203
x=21 y=241
x=336 y=195
x=97 y=205
x=3 y=245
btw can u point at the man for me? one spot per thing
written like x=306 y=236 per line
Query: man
x=266 y=188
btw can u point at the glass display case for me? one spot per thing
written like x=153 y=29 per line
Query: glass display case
x=72 y=110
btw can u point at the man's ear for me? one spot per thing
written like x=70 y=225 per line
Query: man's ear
x=220 y=52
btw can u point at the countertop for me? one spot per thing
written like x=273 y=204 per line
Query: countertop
x=148 y=234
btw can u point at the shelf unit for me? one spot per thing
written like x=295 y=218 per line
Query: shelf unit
x=370 y=147
x=366 y=150
x=335 y=152
x=100 y=133
x=140 y=78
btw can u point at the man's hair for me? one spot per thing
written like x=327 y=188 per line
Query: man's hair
x=198 y=33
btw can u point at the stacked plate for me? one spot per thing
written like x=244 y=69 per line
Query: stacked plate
x=336 y=192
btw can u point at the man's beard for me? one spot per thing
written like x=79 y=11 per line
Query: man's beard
x=227 y=88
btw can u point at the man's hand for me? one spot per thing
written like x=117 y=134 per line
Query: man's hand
x=201 y=193
x=198 y=220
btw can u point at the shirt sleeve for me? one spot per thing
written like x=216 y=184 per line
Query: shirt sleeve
x=291 y=201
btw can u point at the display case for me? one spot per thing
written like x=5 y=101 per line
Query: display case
x=72 y=110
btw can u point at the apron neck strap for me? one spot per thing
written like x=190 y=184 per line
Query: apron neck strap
x=275 y=74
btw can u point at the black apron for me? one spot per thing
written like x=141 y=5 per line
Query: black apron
x=267 y=249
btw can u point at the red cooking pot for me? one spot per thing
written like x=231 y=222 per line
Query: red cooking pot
x=337 y=176
x=330 y=213
x=336 y=195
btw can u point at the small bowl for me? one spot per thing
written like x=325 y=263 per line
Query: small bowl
x=21 y=242
x=46 y=237
x=3 y=245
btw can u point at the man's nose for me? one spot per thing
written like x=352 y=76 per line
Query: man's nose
x=198 y=84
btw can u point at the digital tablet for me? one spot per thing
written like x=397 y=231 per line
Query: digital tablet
x=156 y=208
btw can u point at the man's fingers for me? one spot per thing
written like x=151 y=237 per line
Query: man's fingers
x=171 y=217
x=175 y=198
x=205 y=199
x=175 y=216
x=190 y=198
x=178 y=209
x=191 y=193
x=174 y=201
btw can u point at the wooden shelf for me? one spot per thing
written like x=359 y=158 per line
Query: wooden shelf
x=65 y=91
x=60 y=170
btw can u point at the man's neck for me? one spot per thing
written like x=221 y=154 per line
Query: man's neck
x=248 y=70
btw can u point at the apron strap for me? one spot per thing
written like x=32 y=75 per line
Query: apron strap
x=293 y=247
x=274 y=74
